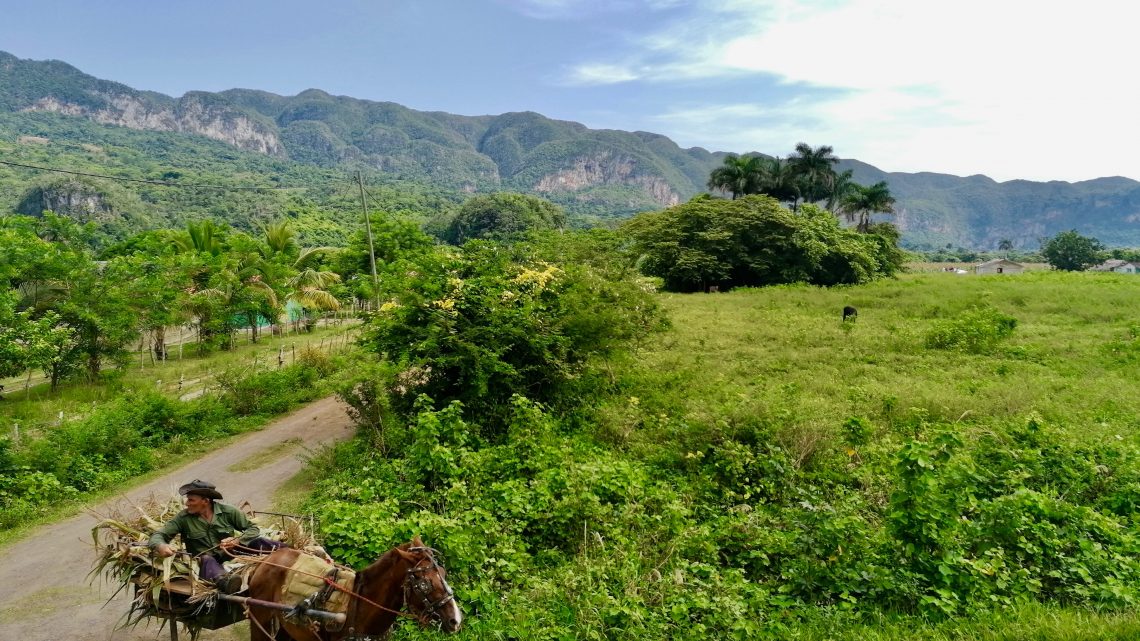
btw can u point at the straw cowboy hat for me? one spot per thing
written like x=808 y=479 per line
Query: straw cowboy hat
x=200 y=488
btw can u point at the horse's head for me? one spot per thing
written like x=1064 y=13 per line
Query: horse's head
x=426 y=591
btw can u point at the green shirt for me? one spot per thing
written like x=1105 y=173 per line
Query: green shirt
x=200 y=535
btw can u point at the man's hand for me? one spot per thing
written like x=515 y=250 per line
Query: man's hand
x=164 y=550
x=229 y=543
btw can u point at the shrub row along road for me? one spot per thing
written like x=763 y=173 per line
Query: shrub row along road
x=46 y=595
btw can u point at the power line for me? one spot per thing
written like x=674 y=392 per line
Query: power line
x=161 y=183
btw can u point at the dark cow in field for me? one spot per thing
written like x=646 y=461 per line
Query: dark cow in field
x=850 y=312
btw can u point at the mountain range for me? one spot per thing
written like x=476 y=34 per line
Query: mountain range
x=595 y=174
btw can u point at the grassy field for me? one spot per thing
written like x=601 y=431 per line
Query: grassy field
x=783 y=353
x=782 y=357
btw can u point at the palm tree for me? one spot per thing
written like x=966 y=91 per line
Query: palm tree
x=840 y=188
x=739 y=175
x=1005 y=244
x=279 y=239
x=779 y=181
x=203 y=237
x=308 y=287
x=864 y=201
x=815 y=168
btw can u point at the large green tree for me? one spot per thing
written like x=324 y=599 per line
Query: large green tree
x=67 y=313
x=503 y=215
x=754 y=241
x=1070 y=251
x=486 y=321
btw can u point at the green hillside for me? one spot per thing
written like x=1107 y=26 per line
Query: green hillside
x=323 y=201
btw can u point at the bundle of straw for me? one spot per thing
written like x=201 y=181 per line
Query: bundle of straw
x=123 y=556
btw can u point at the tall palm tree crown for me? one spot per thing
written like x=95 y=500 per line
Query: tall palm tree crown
x=864 y=201
x=815 y=168
x=739 y=175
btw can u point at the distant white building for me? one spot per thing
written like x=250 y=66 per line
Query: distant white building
x=1118 y=266
x=999 y=266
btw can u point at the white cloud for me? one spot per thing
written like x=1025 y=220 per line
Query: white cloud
x=600 y=74
x=1009 y=88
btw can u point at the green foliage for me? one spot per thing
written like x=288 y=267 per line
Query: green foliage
x=864 y=201
x=474 y=325
x=1070 y=251
x=397 y=243
x=503 y=216
x=133 y=434
x=976 y=331
x=272 y=392
x=753 y=241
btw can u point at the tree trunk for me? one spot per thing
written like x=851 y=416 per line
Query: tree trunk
x=94 y=362
x=159 y=336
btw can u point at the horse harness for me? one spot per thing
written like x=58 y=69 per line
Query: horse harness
x=417 y=585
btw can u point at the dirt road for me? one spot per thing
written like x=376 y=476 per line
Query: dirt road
x=44 y=591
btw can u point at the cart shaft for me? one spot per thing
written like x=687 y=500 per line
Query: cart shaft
x=337 y=617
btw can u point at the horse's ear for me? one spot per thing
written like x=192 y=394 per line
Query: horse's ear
x=417 y=542
x=405 y=555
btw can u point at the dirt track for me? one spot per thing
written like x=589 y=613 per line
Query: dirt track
x=44 y=590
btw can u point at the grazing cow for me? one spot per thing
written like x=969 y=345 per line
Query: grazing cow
x=850 y=312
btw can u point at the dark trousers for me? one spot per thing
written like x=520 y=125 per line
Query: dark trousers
x=210 y=568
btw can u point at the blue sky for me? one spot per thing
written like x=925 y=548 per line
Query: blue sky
x=1039 y=90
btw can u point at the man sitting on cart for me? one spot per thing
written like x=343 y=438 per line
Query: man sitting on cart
x=207 y=528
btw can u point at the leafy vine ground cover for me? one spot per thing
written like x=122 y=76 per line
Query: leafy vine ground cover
x=961 y=462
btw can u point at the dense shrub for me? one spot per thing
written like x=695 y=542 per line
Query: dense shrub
x=977 y=331
x=481 y=323
x=269 y=392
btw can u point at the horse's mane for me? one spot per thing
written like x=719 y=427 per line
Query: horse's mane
x=384 y=563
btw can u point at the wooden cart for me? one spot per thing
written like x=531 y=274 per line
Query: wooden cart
x=173 y=605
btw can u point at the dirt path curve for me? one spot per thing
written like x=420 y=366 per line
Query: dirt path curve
x=44 y=592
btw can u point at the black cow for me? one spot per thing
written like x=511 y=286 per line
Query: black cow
x=850 y=312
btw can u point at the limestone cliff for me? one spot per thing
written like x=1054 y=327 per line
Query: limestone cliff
x=194 y=113
x=607 y=169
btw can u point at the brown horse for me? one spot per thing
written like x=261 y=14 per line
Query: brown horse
x=408 y=575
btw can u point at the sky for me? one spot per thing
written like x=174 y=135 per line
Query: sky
x=1011 y=89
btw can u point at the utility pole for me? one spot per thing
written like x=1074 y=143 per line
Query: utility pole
x=371 y=247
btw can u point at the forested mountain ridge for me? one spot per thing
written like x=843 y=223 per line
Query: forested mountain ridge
x=596 y=174
x=977 y=211
x=602 y=172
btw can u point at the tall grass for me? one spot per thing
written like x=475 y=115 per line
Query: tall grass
x=783 y=354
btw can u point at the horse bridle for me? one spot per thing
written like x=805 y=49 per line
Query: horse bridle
x=419 y=586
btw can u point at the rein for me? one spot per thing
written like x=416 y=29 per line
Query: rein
x=335 y=586
x=413 y=583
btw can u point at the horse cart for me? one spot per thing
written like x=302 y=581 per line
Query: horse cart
x=178 y=599
x=169 y=590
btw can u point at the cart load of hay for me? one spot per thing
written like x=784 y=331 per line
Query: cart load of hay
x=170 y=588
